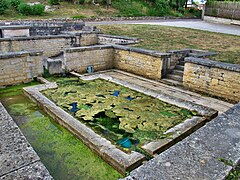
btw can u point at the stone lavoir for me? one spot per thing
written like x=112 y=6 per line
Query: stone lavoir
x=99 y=111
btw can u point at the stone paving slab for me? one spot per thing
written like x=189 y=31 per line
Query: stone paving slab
x=15 y=151
x=177 y=92
x=196 y=157
x=33 y=171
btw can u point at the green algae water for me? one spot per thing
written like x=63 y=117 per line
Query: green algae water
x=116 y=112
x=65 y=156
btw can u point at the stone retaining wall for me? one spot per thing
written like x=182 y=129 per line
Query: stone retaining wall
x=215 y=78
x=78 y=59
x=50 y=45
x=20 y=67
x=146 y=63
x=48 y=27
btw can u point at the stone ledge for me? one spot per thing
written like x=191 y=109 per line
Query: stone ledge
x=87 y=48
x=142 y=51
x=118 y=37
x=213 y=64
x=16 y=153
x=14 y=27
x=36 y=37
x=33 y=171
x=8 y=55
x=196 y=157
x=120 y=160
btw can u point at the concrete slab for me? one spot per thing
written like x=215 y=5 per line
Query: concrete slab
x=196 y=157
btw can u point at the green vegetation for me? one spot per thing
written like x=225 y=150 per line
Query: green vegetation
x=162 y=39
x=15 y=90
x=116 y=111
x=11 y=9
x=65 y=156
x=235 y=173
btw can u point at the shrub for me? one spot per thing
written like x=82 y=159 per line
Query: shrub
x=37 y=9
x=81 y=1
x=24 y=9
x=3 y=6
x=161 y=8
x=14 y=3
x=53 y=2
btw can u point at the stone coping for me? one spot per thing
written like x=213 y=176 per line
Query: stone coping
x=77 y=33
x=87 y=48
x=197 y=156
x=178 y=132
x=14 y=27
x=7 y=55
x=142 y=51
x=16 y=154
x=119 y=37
x=36 y=37
x=213 y=64
x=120 y=160
x=118 y=47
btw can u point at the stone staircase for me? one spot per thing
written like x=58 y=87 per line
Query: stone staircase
x=175 y=78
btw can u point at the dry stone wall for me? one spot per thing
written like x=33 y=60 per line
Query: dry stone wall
x=215 y=78
x=20 y=67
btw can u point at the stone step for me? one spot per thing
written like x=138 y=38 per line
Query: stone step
x=177 y=72
x=175 y=77
x=179 y=67
x=171 y=82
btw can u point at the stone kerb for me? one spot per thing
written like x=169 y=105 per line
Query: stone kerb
x=118 y=159
x=197 y=156
x=18 y=158
x=215 y=78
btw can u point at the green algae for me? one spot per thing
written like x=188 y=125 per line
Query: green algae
x=130 y=113
x=65 y=156
x=15 y=90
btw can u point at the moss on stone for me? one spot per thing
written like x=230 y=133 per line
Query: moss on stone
x=65 y=156
x=144 y=117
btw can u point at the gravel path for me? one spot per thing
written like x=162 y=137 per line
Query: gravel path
x=189 y=23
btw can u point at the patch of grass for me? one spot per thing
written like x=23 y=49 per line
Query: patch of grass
x=163 y=38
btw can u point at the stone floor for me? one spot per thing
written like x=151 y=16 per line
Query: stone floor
x=18 y=160
x=177 y=92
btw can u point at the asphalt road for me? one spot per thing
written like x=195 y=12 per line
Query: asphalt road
x=186 y=23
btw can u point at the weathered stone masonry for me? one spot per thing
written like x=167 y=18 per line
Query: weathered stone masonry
x=20 y=67
x=215 y=78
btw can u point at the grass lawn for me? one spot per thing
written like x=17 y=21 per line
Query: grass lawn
x=163 y=38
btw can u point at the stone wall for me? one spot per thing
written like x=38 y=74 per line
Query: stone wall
x=214 y=78
x=87 y=39
x=120 y=40
x=146 y=63
x=78 y=59
x=20 y=67
x=50 y=45
x=47 y=27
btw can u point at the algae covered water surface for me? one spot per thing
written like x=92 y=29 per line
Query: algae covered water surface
x=116 y=111
x=65 y=156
